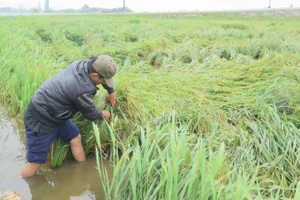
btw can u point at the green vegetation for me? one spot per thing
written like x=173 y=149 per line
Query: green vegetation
x=209 y=102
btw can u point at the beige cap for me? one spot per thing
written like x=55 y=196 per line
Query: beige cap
x=106 y=67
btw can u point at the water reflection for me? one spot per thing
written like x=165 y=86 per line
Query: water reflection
x=72 y=180
x=12 y=159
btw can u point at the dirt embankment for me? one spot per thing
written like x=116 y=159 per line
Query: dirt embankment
x=288 y=12
x=275 y=12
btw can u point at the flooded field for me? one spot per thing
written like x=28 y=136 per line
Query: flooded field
x=71 y=181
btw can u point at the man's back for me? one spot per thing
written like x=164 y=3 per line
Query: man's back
x=57 y=98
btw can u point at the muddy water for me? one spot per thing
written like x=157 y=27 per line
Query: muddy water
x=70 y=181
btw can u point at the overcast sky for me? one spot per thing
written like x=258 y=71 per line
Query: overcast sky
x=155 y=5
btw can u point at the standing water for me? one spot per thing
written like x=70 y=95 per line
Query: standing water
x=70 y=181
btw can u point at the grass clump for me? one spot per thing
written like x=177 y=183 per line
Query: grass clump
x=45 y=37
x=167 y=161
x=74 y=37
x=157 y=58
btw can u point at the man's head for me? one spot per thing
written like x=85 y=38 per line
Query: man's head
x=105 y=68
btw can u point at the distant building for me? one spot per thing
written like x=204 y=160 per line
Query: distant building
x=99 y=9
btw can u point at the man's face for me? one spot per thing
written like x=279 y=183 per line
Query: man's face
x=96 y=79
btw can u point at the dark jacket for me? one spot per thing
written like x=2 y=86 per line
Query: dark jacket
x=60 y=97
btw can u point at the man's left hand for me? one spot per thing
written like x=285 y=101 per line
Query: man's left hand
x=112 y=99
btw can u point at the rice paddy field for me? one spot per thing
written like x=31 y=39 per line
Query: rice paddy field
x=209 y=102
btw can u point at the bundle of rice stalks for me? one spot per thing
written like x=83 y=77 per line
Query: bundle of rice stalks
x=167 y=162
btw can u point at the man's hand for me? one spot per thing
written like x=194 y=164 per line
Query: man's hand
x=112 y=99
x=105 y=115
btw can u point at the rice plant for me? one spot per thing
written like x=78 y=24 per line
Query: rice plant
x=168 y=162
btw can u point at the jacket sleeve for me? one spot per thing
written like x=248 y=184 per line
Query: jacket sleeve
x=86 y=105
x=109 y=89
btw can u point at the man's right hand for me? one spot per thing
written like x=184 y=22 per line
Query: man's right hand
x=106 y=115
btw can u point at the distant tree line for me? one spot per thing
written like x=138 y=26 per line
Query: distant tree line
x=87 y=9
x=84 y=9
x=9 y=9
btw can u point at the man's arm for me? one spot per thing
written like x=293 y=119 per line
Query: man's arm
x=86 y=105
x=109 y=89
x=111 y=95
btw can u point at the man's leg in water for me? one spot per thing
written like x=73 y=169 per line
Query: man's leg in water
x=70 y=133
x=30 y=169
x=38 y=145
x=77 y=148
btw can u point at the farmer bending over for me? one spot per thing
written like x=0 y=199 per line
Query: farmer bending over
x=48 y=115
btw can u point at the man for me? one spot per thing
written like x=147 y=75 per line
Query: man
x=52 y=106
